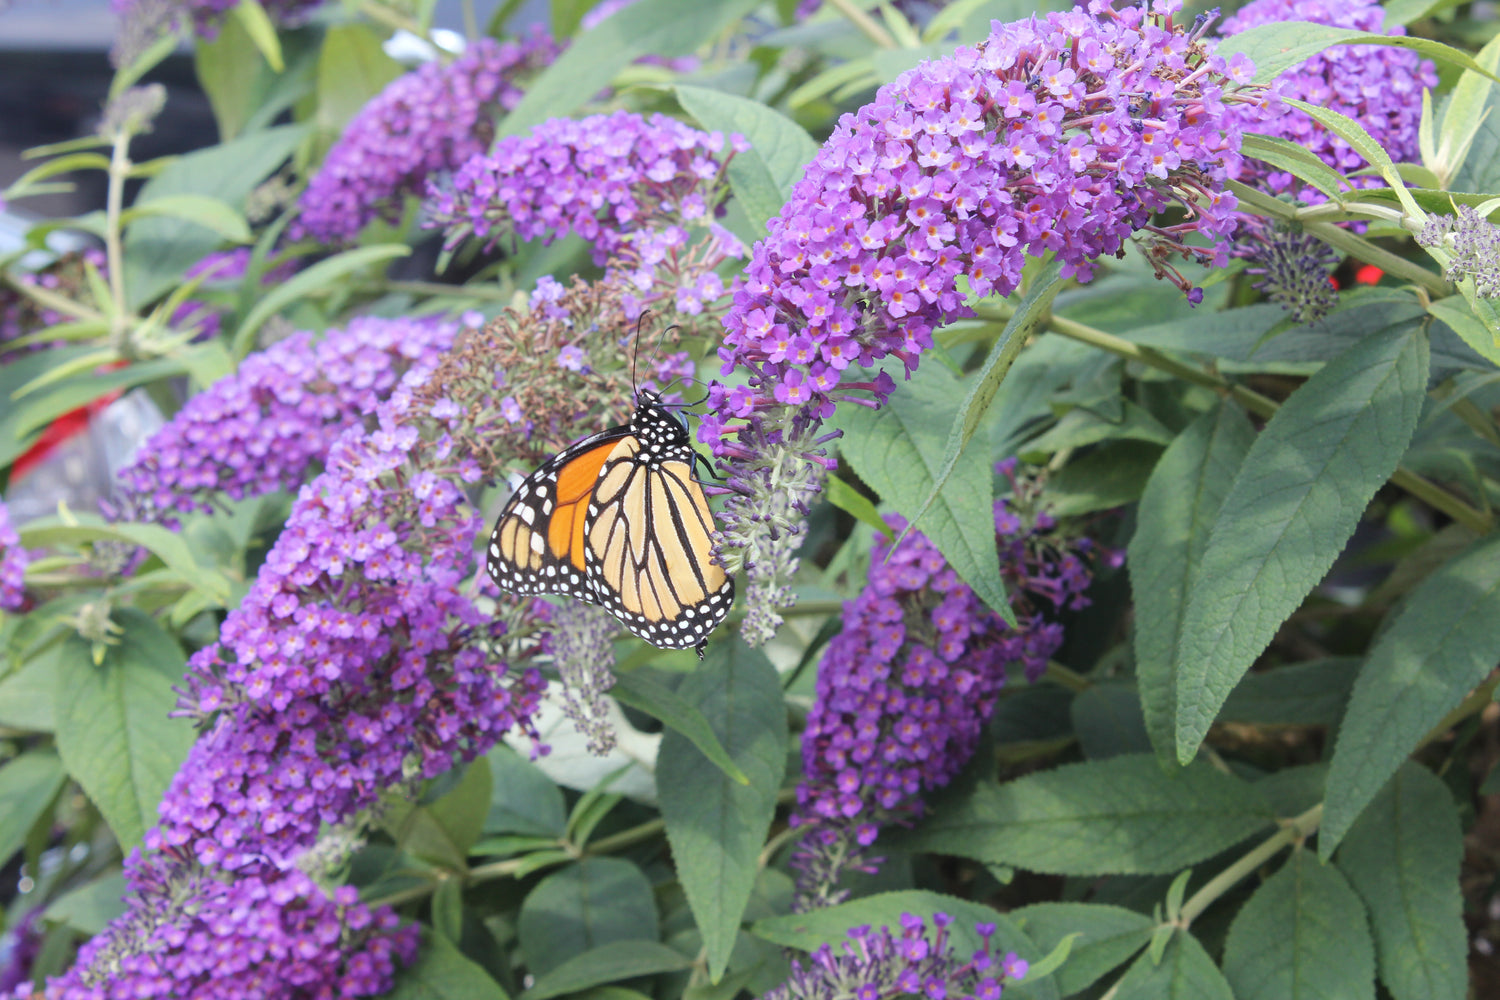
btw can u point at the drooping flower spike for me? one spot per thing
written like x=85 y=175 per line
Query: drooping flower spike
x=1063 y=135
x=905 y=690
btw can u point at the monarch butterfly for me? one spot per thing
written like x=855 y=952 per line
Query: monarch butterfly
x=618 y=520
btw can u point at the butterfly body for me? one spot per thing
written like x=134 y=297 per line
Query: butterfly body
x=618 y=520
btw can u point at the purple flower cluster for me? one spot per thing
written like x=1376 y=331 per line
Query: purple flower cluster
x=354 y=662
x=603 y=177
x=13 y=562
x=1063 y=135
x=427 y=121
x=260 y=429
x=1379 y=86
x=19 y=948
x=878 y=965
x=190 y=936
x=905 y=689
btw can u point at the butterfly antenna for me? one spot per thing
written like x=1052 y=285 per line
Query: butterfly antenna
x=635 y=355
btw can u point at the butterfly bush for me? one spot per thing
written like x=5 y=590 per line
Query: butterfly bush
x=22 y=943
x=188 y=935
x=260 y=429
x=1063 y=135
x=22 y=315
x=882 y=965
x=1472 y=245
x=604 y=177
x=1379 y=86
x=429 y=120
x=13 y=562
x=905 y=690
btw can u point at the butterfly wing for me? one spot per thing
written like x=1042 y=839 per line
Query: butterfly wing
x=539 y=544
x=649 y=536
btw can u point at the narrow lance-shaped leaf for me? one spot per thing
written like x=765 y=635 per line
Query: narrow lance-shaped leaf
x=1123 y=815
x=780 y=149
x=898 y=450
x=1445 y=640
x=27 y=786
x=1173 y=522
x=1029 y=315
x=653 y=27
x=1301 y=936
x=1294 y=503
x=717 y=826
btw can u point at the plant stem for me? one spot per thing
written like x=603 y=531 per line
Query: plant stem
x=51 y=300
x=1262 y=406
x=1059 y=674
x=395 y=19
x=1296 y=829
x=868 y=26
x=119 y=169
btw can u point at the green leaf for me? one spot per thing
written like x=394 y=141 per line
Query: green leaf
x=592 y=903
x=1124 y=815
x=1107 y=719
x=443 y=831
x=1302 y=935
x=898 y=451
x=1176 y=514
x=1459 y=316
x=1185 y=972
x=40 y=408
x=1297 y=160
x=609 y=963
x=441 y=972
x=201 y=210
x=1109 y=936
x=780 y=149
x=1402 y=856
x=1275 y=48
x=28 y=784
x=716 y=826
x=114 y=728
x=1032 y=310
x=846 y=498
x=168 y=546
x=26 y=699
x=830 y=925
x=89 y=908
x=1313 y=693
x=232 y=73
x=352 y=68
x=523 y=800
x=160 y=249
x=666 y=28
x=1464 y=114
x=1444 y=641
x=316 y=278
x=257 y=24
x=1292 y=506
x=660 y=702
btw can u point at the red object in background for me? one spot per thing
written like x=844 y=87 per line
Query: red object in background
x=1368 y=275
x=64 y=428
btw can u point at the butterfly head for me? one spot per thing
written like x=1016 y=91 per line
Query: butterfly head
x=654 y=423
